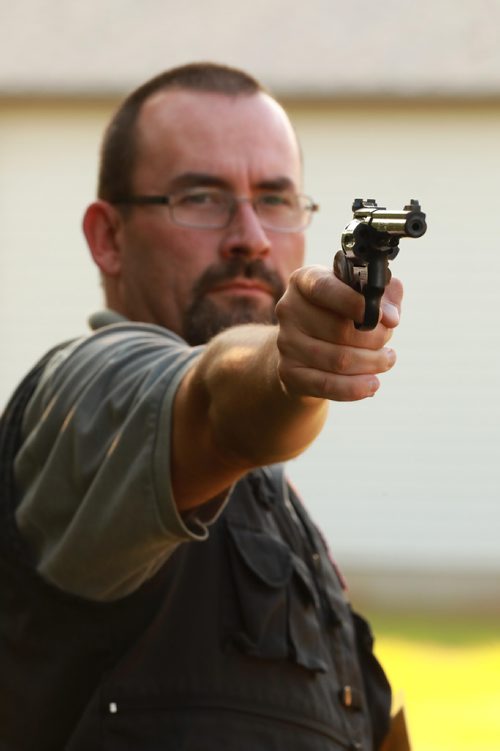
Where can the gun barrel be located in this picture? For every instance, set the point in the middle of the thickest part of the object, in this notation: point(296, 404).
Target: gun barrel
point(402, 223)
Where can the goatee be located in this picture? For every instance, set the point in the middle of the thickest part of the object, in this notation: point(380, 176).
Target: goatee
point(203, 319)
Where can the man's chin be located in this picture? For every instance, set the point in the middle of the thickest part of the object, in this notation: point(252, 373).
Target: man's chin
point(208, 316)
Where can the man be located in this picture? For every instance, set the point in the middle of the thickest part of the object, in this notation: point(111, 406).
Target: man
point(165, 587)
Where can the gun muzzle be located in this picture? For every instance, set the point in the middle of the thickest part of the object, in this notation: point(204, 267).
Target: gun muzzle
point(415, 224)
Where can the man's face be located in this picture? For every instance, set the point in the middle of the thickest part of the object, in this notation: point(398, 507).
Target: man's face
point(197, 282)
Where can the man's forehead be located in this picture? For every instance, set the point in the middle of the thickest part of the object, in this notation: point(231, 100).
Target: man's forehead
point(185, 113)
point(234, 137)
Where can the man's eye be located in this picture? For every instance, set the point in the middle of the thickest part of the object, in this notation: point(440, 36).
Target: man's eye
point(276, 200)
point(202, 198)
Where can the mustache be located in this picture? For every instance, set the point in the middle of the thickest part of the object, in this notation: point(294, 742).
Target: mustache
point(238, 267)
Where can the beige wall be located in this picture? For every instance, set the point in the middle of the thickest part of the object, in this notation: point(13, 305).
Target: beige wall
point(409, 479)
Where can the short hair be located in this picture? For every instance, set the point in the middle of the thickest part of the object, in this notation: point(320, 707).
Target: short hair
point(119, 147)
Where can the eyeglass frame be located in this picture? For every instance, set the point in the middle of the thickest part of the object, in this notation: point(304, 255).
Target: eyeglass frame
point(165, 200)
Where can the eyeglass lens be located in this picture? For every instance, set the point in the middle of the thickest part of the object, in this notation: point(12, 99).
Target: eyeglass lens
point(215, 209)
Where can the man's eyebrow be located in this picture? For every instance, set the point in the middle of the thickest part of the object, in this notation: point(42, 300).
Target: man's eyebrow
point(195, 179)
point(276, 184)
point(205, 179)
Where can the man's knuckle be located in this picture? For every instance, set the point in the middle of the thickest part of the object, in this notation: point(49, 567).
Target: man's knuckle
point(310, 281)
point(322, 385)
point(317, 287)
point(342, 361)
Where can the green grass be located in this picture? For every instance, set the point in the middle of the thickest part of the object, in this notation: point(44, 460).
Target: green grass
point(447, 673)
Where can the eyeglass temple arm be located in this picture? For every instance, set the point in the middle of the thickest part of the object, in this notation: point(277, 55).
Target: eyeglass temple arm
point(142, 200)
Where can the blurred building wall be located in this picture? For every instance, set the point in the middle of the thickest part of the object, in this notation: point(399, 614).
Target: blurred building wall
point(406, 485)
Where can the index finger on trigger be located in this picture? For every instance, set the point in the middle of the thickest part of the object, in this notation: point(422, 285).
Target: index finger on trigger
point(391, 303)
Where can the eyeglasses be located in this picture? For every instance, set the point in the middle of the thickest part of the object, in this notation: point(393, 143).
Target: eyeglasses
point(212, 208)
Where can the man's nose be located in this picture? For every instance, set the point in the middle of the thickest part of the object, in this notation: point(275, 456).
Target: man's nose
point(245, 235)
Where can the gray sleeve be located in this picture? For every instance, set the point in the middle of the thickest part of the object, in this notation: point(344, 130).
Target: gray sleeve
point(94, 469)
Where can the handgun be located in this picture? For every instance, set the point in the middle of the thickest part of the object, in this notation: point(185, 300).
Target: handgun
point(369, 242)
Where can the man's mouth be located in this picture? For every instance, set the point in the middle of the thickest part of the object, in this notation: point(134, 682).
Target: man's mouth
point(242, 286)
point(239, 279)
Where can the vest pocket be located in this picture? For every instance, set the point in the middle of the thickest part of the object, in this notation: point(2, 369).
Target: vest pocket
point(261, 569)
point(277, 602)
point(305, 632)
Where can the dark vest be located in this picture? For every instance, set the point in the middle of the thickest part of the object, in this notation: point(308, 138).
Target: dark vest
point(244, 641)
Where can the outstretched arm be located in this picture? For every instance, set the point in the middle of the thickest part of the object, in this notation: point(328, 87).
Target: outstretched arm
point(259, 394)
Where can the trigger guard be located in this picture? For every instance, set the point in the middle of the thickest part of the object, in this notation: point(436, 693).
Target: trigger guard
point(372, 313)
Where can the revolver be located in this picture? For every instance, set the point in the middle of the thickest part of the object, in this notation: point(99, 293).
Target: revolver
point(369, 242)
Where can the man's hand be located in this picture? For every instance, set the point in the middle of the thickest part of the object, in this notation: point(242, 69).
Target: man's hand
point(321, 352)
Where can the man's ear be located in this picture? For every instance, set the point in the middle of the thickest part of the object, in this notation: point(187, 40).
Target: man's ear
point(101, 222)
